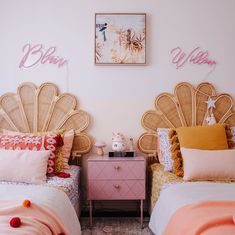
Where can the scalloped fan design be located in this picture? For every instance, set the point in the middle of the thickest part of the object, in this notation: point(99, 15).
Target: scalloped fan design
point(34, 109)
point(186, 107)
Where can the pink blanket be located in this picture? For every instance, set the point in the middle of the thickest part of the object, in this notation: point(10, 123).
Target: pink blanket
point(35, 219)
point(205, 218)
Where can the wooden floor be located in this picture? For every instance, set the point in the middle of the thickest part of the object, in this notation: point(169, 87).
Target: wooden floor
point(115, 226)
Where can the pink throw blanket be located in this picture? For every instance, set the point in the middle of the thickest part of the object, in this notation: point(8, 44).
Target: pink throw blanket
point(205, 218)
point(35, 219)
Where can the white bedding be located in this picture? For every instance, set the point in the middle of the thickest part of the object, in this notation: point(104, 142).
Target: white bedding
point(53, 198)
point(176, 196)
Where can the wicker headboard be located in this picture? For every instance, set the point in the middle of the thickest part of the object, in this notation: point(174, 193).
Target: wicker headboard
point(36, 109)
point(186, 107)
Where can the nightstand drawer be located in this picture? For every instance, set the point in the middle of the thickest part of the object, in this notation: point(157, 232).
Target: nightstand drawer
point(116, 189)
point(114, 170)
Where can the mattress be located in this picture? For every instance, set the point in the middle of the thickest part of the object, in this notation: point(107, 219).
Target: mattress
point(69, 185)
point(179, 195)
point(161, 180)
point(48, 201)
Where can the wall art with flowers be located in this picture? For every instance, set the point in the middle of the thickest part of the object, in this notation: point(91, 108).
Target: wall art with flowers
point(120, 38)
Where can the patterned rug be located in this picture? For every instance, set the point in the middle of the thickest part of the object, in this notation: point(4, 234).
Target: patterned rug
point(115, 226)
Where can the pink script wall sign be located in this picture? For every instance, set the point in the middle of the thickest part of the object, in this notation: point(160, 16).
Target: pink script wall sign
point(196, 56)
point(37, 54)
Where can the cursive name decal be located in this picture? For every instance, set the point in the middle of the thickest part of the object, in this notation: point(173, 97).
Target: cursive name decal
point(37, 54)
point(196, 56)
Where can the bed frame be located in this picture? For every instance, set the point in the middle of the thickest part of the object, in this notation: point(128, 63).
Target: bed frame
point(186, 107)
point(39, 109)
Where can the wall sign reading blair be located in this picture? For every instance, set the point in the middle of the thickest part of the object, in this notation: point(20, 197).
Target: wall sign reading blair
point(120, 39)
point(195, 56)
point(38, 54)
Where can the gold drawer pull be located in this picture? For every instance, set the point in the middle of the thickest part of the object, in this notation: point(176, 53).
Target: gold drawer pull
point(117, 168)
point(117, 186)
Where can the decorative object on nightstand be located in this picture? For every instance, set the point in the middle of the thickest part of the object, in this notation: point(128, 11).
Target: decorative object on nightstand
point(100, 145)
point(118, 142)
point(116, 179)
point(131, 147)
point(119, 146)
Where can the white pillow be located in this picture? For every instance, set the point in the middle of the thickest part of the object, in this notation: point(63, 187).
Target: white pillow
point(23, 166)
point(208, 164)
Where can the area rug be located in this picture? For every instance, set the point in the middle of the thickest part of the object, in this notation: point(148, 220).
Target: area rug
point(115, 226)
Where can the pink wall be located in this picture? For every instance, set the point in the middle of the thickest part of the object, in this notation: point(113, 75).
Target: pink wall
point(116, 97)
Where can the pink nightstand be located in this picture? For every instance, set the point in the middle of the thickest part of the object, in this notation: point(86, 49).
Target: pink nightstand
point(116, 179)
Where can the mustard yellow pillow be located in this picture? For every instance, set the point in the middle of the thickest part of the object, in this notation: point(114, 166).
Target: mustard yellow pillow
point(203, 137)
point(199, 137)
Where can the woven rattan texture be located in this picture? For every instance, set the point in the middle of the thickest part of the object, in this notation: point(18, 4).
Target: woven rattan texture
point(185, 107)
point(37, 109)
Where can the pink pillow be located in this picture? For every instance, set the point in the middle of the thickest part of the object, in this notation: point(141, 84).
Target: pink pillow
point(208, 164)
point(23, 166)
point(67, 147)
point(68, 137)
point(34, 142)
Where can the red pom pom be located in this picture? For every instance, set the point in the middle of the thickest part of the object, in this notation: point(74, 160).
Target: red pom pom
point(60, 141)
point(62, 174)
point(15, 222)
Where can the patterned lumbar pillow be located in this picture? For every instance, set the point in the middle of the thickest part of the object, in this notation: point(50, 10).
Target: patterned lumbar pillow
point(164, 151)
point(36, 143)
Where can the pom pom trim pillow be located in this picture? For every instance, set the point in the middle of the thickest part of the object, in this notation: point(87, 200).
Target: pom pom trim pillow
point(197, 137)
point(23, 166)
point(208, 164)
point(30, 142)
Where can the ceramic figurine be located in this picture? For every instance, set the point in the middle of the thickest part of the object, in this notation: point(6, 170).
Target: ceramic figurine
point(118, 142)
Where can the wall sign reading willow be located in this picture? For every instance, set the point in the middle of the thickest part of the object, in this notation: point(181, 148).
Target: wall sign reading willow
point(120, 39)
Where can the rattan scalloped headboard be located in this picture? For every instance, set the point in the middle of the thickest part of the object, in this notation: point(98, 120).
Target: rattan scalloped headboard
point(42, 108)
point(186, 107)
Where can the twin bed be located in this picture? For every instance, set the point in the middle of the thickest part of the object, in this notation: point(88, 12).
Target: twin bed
point(43, 110)
point(173, 200)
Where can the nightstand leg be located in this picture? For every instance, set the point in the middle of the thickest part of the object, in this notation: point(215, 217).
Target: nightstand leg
point(141, 213)
point(91, 213)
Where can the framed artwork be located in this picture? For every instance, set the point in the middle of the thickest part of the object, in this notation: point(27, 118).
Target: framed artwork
point(120, 39)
